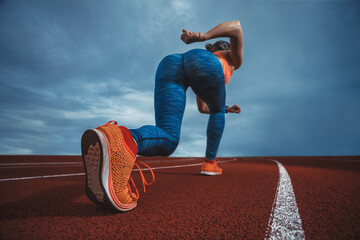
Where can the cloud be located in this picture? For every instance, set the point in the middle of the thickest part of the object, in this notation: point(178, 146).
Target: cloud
point(129, 106)
point(66, 66)
point(7, 150)
point(192, 143)
point(183, 9)
point(161, 17)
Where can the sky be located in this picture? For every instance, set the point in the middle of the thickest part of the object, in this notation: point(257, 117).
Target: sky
point(67, 66)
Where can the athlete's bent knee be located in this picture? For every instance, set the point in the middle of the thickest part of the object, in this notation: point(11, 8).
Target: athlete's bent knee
point(168, 149)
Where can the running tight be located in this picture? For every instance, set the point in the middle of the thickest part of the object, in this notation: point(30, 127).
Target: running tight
point(202, 71)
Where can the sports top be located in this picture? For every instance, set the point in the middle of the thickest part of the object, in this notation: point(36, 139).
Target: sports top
point(225, 65)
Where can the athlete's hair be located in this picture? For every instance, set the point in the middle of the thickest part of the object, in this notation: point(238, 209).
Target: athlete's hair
point(217, 46)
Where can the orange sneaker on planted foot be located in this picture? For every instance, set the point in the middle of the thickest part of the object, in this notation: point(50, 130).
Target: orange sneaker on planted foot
point(109, 155)
point(211, 168)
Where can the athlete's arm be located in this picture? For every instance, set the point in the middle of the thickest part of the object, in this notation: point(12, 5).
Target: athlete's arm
point(203, 108)
point(234, 109)
point(232, 30)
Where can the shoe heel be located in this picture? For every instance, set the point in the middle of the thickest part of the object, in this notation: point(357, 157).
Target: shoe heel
point(92, 158)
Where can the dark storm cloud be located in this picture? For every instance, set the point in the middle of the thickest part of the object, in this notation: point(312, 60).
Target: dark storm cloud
point(66, 66)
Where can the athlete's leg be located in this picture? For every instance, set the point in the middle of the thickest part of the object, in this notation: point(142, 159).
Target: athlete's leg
point(206, 78)
point(170, 98)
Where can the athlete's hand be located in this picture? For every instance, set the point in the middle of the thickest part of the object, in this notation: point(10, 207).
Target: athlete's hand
point(190, 37)
point(234, 109)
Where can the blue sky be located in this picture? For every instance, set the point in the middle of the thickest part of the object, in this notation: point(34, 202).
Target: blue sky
point(66, 66)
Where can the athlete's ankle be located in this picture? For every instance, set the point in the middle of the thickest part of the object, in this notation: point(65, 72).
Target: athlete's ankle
point(130, 141)
point(209, 160)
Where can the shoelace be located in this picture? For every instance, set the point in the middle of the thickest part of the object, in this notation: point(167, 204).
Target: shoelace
point(145, 183)
point(136, 197)
point(216, 161)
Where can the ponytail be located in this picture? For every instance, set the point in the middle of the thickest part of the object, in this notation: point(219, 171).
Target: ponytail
point(217, 46)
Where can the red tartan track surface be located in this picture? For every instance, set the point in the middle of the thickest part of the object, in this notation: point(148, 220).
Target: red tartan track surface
point(43, 197)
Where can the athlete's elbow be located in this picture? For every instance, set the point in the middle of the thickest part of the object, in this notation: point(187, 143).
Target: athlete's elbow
point(203, 110)
point(236, 22)
point(238, 60)
point(238, 64)
point(237, 26)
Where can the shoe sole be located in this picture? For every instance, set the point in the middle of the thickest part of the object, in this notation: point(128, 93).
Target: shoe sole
point(92, 158)
point(210, 173)
point(98, 179)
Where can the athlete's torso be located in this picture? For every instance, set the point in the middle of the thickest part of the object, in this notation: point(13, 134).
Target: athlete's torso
point(225, 59)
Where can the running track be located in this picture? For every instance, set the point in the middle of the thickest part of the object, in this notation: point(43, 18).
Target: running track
point(42, 197)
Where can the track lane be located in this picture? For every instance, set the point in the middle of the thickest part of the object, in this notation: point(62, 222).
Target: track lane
point(181, 204)
point(60, 165)
point(184, 204)
point(33, 170)
point(328, 197)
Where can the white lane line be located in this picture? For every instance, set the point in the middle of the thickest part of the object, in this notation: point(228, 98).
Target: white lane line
point(28, 164)
point(285, 221)
point(38, 164)
point(178, 166)
point(80, 174)
point(37, 177)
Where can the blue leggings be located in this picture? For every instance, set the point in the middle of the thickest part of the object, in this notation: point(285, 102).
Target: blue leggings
point(202, 71)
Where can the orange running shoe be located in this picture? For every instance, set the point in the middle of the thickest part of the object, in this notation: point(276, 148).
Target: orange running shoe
point(211, 168)
point(108, 162)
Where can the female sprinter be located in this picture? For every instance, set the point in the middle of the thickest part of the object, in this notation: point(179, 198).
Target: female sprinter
point(109, 151)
